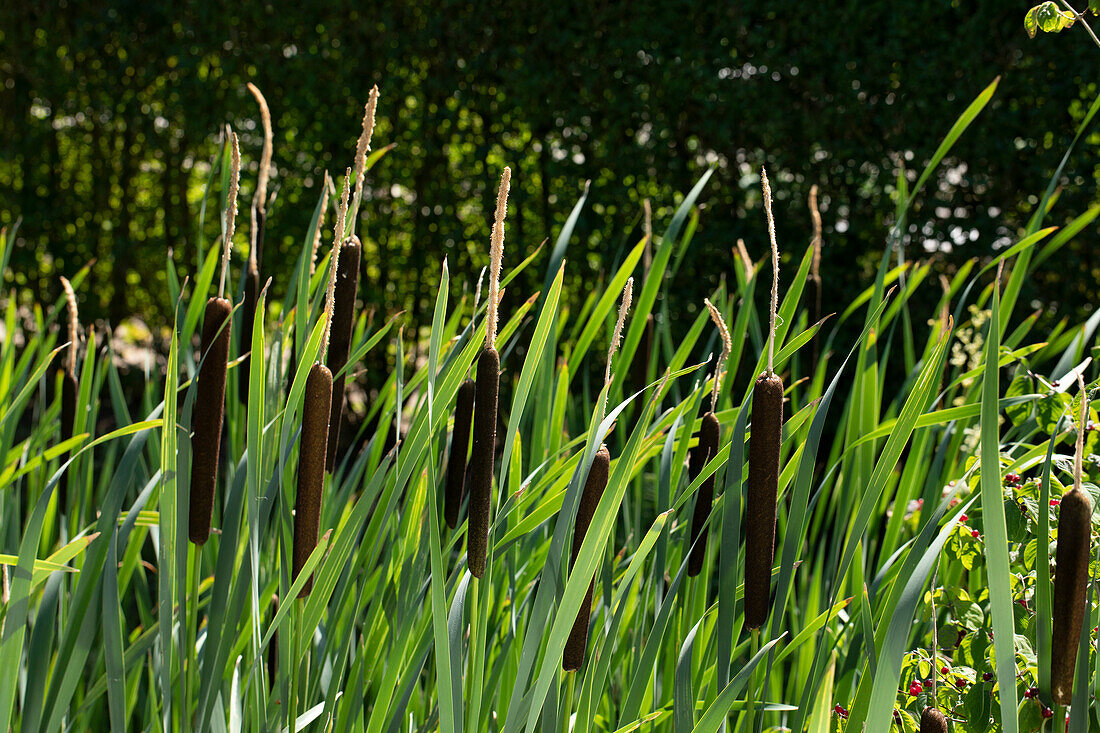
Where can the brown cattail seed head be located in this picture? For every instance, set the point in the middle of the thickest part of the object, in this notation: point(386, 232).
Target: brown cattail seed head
point(932, 721)
point(763, 486)
point(594, 486)
point(206, 423)
point(311, 468)
point(248, 320)
point(456, 462)
point(343, 318)
point(69, 390)
point(1071, 579)
point(481, 459)
point(709, 436)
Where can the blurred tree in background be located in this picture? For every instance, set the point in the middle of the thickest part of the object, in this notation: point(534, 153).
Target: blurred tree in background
point(112, 111)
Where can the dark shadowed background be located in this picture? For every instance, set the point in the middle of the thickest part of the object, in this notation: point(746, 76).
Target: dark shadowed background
point(111, 113)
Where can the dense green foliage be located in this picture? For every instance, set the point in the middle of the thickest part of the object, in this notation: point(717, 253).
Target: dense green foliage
point(112, 109)
point(928, 514)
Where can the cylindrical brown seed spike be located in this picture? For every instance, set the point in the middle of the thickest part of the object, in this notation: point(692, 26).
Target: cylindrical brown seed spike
point(594, 485)
point(69, 390)
point(481, 459)
point(206, 423)
point(456, 462)
point(709, 435)
point(1071, 579)
point(311, 468)
point(932, 721)
point(343, 317)
point(763, 485)
point(248, 319)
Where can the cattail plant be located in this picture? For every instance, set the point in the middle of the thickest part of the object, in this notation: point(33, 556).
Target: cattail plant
point(709, 438)
point(209, 411)
point(69, 388)
point(932, 721)
point(485, 400)
point(764, 444)
point(1071, 575)
point(456, 462)
point(313, 450)
point(746, 261)
point(343, 318)
point(814, 279)
point(594, 485)
point(255, 249)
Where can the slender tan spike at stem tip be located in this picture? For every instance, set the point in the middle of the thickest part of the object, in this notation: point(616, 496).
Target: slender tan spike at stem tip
point(343, 320)
point(746, 261)
point(496, 253)
point(815, 214)
point(617, 334)
point(231, 210)
point(932, 721)
point(330, 294)
point(775, 263)
point(326, 185)
point(1082, 427)
point(727, 347)
point(74, 325)
point(342, 212)
point(260, 198)
point(362, 147)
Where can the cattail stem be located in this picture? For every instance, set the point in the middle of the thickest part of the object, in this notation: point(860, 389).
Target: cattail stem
point(273, 646)
point(815, 269)
point(311, 469)
point(707, 449)
point(593, 490)
point(481, 459)
point(760, 506)
point(456, 462)
point(343, 318)
point(209, 411)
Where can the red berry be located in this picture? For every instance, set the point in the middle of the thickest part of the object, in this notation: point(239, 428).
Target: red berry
point(963, 517)
point(841, 711)
point(944, 670)
point(987, 677)
point(1054, 502)
point(1047, 712)
point(975, 534)
point(915, 689)
point(960, 682)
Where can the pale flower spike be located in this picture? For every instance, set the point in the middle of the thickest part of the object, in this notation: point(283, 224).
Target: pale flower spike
point(496, 253)
point(775, 265)
point(231, 210)
point(727, 347)
point(617, 334)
